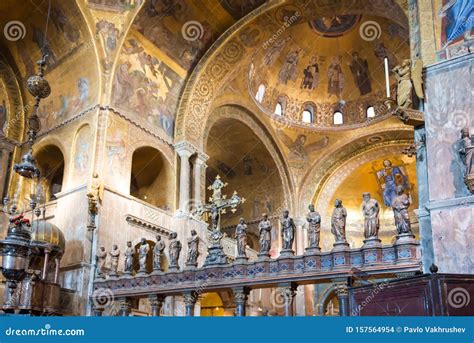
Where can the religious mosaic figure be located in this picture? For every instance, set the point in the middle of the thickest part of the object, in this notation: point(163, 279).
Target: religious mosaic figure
point(241, 237)
point(467, 151)
point(128, 262)
point(158, 253)
point(265, 230)
point(114, 260)
point(390, 177)
point(400, 206)
point(336, 77)
point(360, 71)
point(288, 70)
point(370, 210)
point(193, 249)
point(275, 50)
point(311, 75)
point(314, 227)
point(101, 258)
point(287, 230)
point(338, 222)
point(174, 250)
point(143, 250)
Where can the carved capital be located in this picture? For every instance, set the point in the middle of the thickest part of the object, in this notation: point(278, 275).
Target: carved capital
point(241, 295)
point(190, 298)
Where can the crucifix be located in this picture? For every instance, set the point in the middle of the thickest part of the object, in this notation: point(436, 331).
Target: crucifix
point(218, 204)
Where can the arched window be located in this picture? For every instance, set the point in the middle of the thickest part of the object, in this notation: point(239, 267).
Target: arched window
point(308, 113)
point(338, 118)
point(51, 164)
point(279, 109)
point(150, 178)
point(260, 93)
point(370, 112)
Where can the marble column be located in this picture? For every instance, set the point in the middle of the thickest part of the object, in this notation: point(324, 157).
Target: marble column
point(343, 297)
point(57, 262)
point(45, 264)
point(241, 295)
point(125, 306)
point(184, 152)
point(287, 292)
point(156, 303)
point(300, 301)
point(198, 168)
point(190, 299)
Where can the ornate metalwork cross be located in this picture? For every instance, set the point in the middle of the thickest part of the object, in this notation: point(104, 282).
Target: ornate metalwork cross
point(218, 204)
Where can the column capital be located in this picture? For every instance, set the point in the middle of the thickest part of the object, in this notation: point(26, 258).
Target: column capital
point(190, 298)
point(184, 148)
point(241, 294)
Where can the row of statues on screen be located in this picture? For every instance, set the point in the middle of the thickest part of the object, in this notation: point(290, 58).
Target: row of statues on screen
point(370, 210)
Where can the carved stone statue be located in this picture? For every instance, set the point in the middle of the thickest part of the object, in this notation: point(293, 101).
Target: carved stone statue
point(101, 259)
point(158, 253)
point(265, 231)
point(174, 251)
point(400, 206)
point(143, 250)
point(314, 227)
point(287, 232)
point(370, 210)
point(338, 222)
point(241, 237)
point(114, 260)
point(467, 151)
point(128, 262)
point(193, 249)
point(409, 77)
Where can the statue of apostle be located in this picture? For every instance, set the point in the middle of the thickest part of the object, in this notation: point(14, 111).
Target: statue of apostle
point(265, 230)
point(314, 227)
point(143, 250)
point(158, 253)
point(338, 222)
point(101, 259)
point(400, 206)
point(370, 210)
point(467, 151)
point(128, 263)
point(241, 237)
point(193, 249)
point(287, 231)
point(114, 260)
point(174, 251)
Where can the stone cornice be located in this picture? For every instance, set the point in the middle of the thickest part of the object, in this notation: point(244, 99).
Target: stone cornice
point(131, 219)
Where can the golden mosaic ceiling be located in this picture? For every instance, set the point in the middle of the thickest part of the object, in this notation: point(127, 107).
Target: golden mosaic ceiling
point(326, 64)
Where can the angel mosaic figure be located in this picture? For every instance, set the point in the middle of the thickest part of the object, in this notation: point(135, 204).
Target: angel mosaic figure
point(299, 151)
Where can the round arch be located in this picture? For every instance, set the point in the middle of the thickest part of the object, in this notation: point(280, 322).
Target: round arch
point(246, 117)
point(228, 51)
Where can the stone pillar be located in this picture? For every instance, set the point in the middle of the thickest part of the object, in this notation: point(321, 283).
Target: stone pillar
point(190, 299)
point(125, 306)
point(300, 250)
point(57, 262)
point(156, 303)
point(240, 298)
point(198, 169)
point(45, 264)
point(184, 151)
point(343, 297)
point(287, 292)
